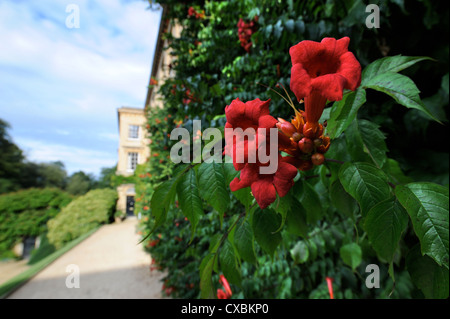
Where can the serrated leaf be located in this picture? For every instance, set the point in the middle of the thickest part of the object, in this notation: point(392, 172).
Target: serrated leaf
point(162, 199)
point(431, 279)
point(282, 205)
point(364, 137)
point(351, 254)
point(300, 252)
point(212, 186)
point(206, 286)
point(343, 112)
point(365, 183)
point(264, 225)
point(228, 263)
point(189, 199)
point(296, 219)
point(384, 225)
point(310, 201)
point(389, 64)
point(244, 241)
point(428, 206)
point(401, 88)
point(343, 202)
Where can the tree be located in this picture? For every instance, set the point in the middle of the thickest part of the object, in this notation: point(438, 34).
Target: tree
point(11, 161)
point(52, 174)
point(80, 183)
point(105, 179)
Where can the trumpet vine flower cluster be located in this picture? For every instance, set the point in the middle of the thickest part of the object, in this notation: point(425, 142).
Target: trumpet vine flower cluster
point(320, 73)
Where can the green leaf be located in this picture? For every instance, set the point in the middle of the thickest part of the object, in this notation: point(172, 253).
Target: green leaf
point(189, 199)
point(395, 173)
point(296, 219)
point(212, 186)
point(384, 225)
point(343, 202)
point(206, 286)
point(401, 88)
point(428, 206)
point(162, 199)
point(365, 183)
point(344, 112)
point(391, 64)
point(431, 279)
point(244, 241)
point(351, 254)
point(228, 263)
point(364, 137)
point(265, 223)
point(310, 201)
point(300, 252)
point(282, 205)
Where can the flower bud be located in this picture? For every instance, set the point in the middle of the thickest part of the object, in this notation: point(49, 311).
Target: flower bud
point(310, 130)
point(305, 166)
point(317, 142)
point(306, 145)
point(286, 127)
point(317, 159)
point(325, 145)
point(296, 137)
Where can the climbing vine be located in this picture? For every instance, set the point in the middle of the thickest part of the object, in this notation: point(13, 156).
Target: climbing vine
point(349, 192)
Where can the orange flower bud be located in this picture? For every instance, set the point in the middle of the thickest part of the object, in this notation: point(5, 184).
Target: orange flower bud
point(286, 127)
point(317, 159)
point(306, 145)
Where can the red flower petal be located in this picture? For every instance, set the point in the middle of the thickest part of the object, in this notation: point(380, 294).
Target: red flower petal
point(330, 86)
point(249, 174)
point(264, 191)
point(221, 294)
point(350, 69)
point(283, 179)
point(300, 81)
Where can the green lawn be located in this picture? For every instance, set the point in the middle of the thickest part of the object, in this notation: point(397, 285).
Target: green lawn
point(15, 282)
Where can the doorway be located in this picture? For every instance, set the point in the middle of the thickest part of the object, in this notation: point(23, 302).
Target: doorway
point(130, 206)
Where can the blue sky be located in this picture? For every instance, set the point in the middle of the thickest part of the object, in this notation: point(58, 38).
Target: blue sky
point(60, 87)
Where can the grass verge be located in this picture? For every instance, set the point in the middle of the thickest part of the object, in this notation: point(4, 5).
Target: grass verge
point(12, 284)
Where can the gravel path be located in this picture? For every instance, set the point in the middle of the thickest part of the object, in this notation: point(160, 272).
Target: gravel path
point(110, 263)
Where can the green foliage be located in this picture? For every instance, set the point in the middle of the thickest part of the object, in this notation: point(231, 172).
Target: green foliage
point(380, 198)
point(25, 213)
point(82, 215)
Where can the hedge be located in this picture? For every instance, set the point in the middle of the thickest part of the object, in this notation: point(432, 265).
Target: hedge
point(25, 213)
point(82, 215)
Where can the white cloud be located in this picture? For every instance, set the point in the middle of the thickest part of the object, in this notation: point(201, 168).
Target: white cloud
point(67, 81)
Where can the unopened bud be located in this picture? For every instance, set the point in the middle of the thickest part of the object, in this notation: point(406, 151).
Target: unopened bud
point(310, 130)
point(286, 127)
point(317, 142)
point(317, 159)
point(306, 145)
point(296, 137)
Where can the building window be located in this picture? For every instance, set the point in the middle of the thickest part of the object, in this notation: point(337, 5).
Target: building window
point(132, 161)
point(133, 131)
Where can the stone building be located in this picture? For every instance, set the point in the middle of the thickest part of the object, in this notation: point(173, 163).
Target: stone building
point(133, 150)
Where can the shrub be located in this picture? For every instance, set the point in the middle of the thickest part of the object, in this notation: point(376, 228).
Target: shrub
point(82, 215)
point(25, 213)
